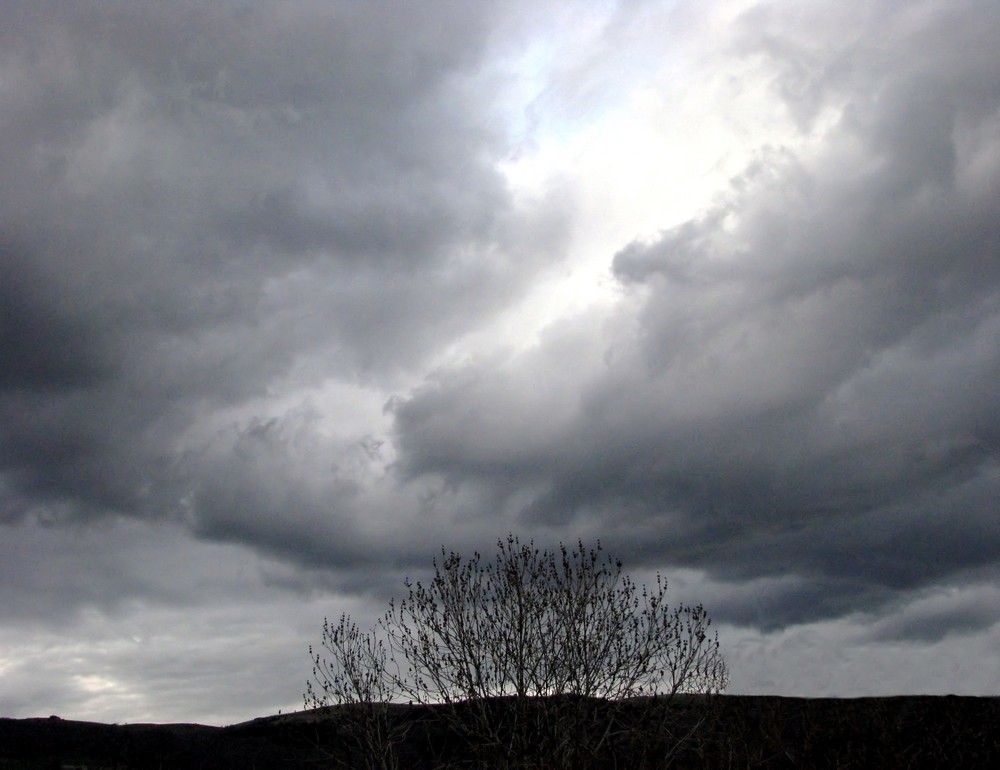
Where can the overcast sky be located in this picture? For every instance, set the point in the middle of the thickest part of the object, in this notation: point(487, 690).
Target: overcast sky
point(294, 293)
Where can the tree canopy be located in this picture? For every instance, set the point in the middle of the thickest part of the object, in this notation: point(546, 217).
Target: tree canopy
point(528, 623)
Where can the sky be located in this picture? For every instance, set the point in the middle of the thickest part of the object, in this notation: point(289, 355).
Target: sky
point(293, 294)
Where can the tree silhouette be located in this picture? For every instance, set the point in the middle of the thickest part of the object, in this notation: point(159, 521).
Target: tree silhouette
point(533, 655)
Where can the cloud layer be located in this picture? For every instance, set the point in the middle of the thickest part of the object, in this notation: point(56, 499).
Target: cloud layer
point(799, 380)
point(317, 287)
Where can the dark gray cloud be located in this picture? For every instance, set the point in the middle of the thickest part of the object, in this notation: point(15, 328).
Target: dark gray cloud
point(269, 282)
point(940, 615)
point(800, 381)
point(204, 204)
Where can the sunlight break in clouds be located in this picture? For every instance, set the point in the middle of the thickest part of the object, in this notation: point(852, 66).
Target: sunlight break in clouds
point(636, 142)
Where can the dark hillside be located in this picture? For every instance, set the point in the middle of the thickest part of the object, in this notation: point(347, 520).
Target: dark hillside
point(733, 732)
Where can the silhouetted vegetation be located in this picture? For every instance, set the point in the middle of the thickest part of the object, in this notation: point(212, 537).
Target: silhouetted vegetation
point(532, 658)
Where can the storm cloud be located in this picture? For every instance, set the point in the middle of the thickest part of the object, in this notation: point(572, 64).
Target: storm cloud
point(801, 379)
point(189, 226)
point(293, 294)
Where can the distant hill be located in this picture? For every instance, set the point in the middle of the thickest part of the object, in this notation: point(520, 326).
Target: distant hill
point(733, 732)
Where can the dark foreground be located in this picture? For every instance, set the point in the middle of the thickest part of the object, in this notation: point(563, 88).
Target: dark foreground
point(732, 732)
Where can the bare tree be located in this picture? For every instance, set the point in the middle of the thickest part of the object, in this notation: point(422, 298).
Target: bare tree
point(356, 678)
point(533, 653)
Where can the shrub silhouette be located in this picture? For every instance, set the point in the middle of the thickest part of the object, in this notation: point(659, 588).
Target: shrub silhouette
point(531, 658)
